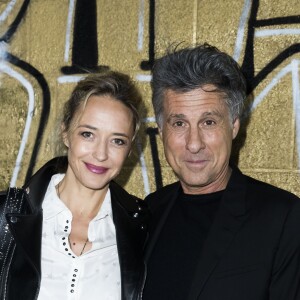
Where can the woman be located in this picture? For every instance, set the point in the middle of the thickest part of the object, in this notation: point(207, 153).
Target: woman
point(79, 235)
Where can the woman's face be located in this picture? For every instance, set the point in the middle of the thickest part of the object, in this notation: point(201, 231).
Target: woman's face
point(99, 142)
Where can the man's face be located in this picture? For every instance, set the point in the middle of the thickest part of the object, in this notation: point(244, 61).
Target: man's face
point(197, 134)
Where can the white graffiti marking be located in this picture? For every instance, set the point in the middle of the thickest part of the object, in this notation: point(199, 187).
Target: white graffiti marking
point(195, 22)
point(143, 78)
point(241, 30)
point(272, 32)
point(141, 25)
point(296, 97)
point(7, 10)
point(4, 68)
point(69, 79)
point(292, 68)
point(68, 29)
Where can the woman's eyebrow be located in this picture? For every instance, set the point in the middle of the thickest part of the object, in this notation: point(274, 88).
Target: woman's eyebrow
point(94, 128)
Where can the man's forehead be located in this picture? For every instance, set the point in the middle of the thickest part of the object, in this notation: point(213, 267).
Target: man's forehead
point(195, 104)
point(204, 93)
point(196, 115)
point(194, 99)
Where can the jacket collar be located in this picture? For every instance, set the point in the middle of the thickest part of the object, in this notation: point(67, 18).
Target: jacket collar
point(161, 204)
point(229, 219)
point(37, 186)
point(130, 218)
point(124, 199)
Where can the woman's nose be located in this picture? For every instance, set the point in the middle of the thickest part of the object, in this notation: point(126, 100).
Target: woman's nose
point(100, 151)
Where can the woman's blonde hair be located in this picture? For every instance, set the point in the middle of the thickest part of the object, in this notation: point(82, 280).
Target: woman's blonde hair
point(117, 85)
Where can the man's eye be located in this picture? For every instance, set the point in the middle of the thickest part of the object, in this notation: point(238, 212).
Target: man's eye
point(178, 124)
point(87, 134)
point(119, 142)
point(209, 123)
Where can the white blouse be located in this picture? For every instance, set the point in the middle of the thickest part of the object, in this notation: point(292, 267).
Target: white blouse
point(93, 275)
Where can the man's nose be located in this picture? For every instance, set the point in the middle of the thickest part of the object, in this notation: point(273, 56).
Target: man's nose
point(194, 140)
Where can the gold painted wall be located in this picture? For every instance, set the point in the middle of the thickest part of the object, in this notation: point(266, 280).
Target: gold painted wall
point(37, 40)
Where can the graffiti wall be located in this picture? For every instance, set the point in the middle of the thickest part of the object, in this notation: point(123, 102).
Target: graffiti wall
point(46, 46)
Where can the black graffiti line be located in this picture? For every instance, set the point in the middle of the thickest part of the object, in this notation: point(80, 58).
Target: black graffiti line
point(15, 24)
point(248, 62)
point(274, 63)
point(152, 132)
point(45, 107)
point(147, 64)
point(85, 42)
point(278, 21)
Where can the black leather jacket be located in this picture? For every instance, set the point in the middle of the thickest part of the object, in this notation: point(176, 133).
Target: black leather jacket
point(21, 275)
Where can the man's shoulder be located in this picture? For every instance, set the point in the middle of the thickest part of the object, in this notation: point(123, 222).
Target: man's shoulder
point(269, 193)
point(162, 195)
point(268, 187)
point(170, 188)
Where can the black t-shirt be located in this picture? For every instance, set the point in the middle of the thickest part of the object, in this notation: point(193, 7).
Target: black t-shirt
point(172, 264)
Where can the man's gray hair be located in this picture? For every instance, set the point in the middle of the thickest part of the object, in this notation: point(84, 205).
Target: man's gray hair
point(195, 67)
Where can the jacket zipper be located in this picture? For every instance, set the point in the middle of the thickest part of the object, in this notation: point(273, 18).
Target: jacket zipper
point(140, 297)
point(8, 268)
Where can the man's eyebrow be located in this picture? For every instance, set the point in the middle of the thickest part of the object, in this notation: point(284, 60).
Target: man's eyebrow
point(212, 113)
point(205, 114)
point(176, 116)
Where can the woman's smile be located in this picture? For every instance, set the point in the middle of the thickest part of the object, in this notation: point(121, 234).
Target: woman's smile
point(96, 169)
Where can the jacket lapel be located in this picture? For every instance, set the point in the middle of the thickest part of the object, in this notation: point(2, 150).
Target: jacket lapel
point(159, 219)
point(230, 217)
point(130, 218)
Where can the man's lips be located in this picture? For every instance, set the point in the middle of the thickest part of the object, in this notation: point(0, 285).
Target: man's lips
point(96, 169)
point(196, 161)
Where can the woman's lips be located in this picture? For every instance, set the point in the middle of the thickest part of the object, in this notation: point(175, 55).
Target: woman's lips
point(96, 169)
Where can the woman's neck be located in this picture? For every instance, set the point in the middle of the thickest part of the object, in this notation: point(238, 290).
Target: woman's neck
point(82, 201)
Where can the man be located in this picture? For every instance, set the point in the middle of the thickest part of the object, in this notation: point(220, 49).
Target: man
point(216, 234)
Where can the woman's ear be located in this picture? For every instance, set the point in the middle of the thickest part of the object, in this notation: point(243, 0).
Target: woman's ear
point(64, 135)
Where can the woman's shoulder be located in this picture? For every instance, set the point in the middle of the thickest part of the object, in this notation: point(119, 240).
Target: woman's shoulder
point(129, 202)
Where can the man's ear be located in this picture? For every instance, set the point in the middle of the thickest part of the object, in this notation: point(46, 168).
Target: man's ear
point(235, 128)
point(160, 132)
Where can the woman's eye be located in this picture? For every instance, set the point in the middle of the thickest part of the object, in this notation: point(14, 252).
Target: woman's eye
point(119, 142)
point(87, 134)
